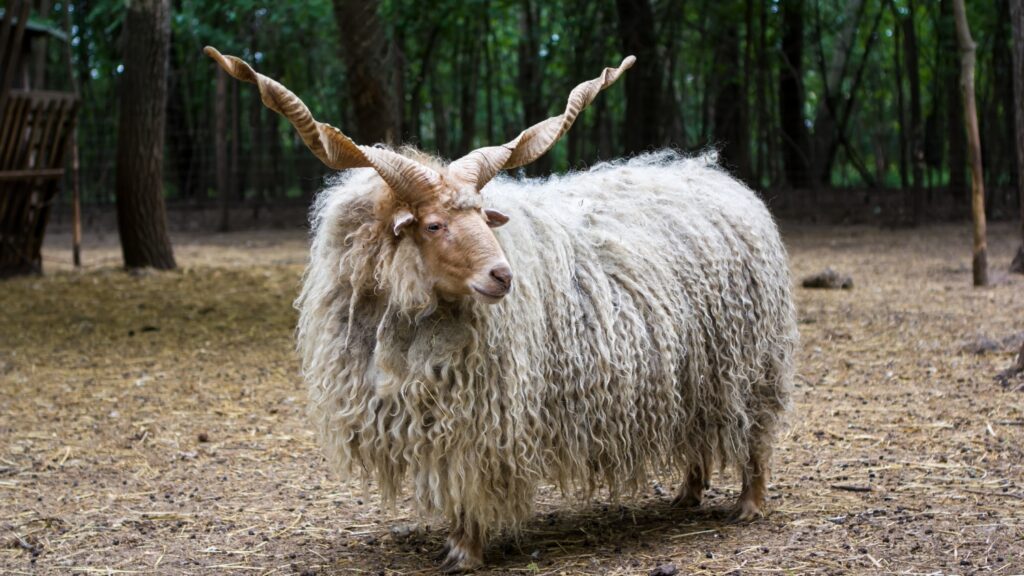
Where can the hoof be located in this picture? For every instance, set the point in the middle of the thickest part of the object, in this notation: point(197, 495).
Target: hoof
point(687, 501)
point(460, 560)
point(443, 554)
point(451, 542)
point(747, 511)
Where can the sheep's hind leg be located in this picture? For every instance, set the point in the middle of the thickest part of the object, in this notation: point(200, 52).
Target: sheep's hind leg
point(465, 548)
point(750, 505)
point(691, 493)
point(453, 538)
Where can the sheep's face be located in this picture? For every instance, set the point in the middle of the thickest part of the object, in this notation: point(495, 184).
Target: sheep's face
point(459, 250)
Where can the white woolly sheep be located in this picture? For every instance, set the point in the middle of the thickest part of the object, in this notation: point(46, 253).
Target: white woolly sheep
point(651, 331)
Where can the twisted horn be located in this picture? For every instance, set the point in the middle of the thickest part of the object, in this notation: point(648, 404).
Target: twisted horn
point(409, 179)
point(479, 166)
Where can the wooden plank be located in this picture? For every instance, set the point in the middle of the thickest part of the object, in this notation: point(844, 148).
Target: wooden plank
point(48, 118)
point(11, 44)
point(43, 94)
point(13, 131)
point(31, 174)
point(35, 133)
point(55, 133)
point(15, 45)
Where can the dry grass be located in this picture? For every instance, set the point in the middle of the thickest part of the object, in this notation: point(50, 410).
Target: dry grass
point(154, 424)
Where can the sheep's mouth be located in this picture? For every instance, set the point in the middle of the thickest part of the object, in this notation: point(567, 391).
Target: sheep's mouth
point(489, 296)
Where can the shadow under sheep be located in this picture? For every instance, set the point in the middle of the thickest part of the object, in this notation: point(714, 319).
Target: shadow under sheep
point(564, 533)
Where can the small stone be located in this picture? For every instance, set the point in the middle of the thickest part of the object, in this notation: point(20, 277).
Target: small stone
point(203, 437)
point(829, 279)
point(404, 532)
point(665, 570)
point(980, 345)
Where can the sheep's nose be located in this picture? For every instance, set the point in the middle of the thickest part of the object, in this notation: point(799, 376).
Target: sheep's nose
point(502, 274)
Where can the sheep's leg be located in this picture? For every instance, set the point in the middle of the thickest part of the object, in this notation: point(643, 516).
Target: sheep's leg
point(465, 548)
point(750, 505)
point(692, 491)
point(453, 538)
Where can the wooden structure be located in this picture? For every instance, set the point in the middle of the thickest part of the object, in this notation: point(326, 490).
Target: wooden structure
point(35, 129)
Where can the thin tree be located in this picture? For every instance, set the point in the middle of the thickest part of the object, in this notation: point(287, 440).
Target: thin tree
point(643, 83)
point(371, 64)
point(1017, 23)
point(910, 56)
point(967, 50)
point(957, 158)
point(141, 215)
point(531, 75)
point(221, 148)
point(827, 132)
point(730, 130)
point(795, 140)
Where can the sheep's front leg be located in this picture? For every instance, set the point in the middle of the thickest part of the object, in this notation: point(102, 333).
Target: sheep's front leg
point(691, 493)
point(465, 547)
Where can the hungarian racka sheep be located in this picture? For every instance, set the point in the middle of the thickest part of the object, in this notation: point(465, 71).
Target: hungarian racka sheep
point(651, 330)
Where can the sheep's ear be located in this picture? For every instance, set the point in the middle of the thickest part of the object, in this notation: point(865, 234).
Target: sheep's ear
point(402, 219)
point(495, 218)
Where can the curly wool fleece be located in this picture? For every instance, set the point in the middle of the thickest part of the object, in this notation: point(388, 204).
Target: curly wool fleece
point(651, 330)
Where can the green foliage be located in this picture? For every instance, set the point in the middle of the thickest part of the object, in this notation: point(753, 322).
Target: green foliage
point(298, 43)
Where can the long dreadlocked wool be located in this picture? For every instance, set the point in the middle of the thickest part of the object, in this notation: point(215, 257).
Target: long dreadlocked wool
point(651, 330)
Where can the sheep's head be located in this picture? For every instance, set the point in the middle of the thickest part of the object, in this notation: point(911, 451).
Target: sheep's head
point(452, 232)
point(441, 210)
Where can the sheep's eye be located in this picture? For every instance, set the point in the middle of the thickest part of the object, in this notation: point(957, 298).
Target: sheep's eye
point(434, 227)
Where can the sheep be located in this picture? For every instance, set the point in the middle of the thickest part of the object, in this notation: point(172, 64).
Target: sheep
point(651, 331)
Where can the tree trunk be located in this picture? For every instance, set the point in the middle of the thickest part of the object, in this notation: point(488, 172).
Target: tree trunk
point(585, 17)
point(826, 135)
point(673, 122)
point(1017, 23)
point(369, 58)
point(967, 51)
point(235, 178)
point(39, 49)
point(424, 71)
point(440, 114)
point(468, 89)
point(141, 215)
point(957, 158)
point(257, 157)
point(729, 130)
point(181, 138)
point(765, 135)
point(530, 75)
point(643, 83)
point(489, 73)
point(746, 113)
point(910, 56)
point(220, 112)
point(901, 117)
point(795, 155)
point(276, 178)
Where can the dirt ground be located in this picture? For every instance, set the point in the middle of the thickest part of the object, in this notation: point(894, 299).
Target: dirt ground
point(154, 424)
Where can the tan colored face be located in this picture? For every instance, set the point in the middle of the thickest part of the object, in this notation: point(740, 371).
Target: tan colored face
point(461, 252)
